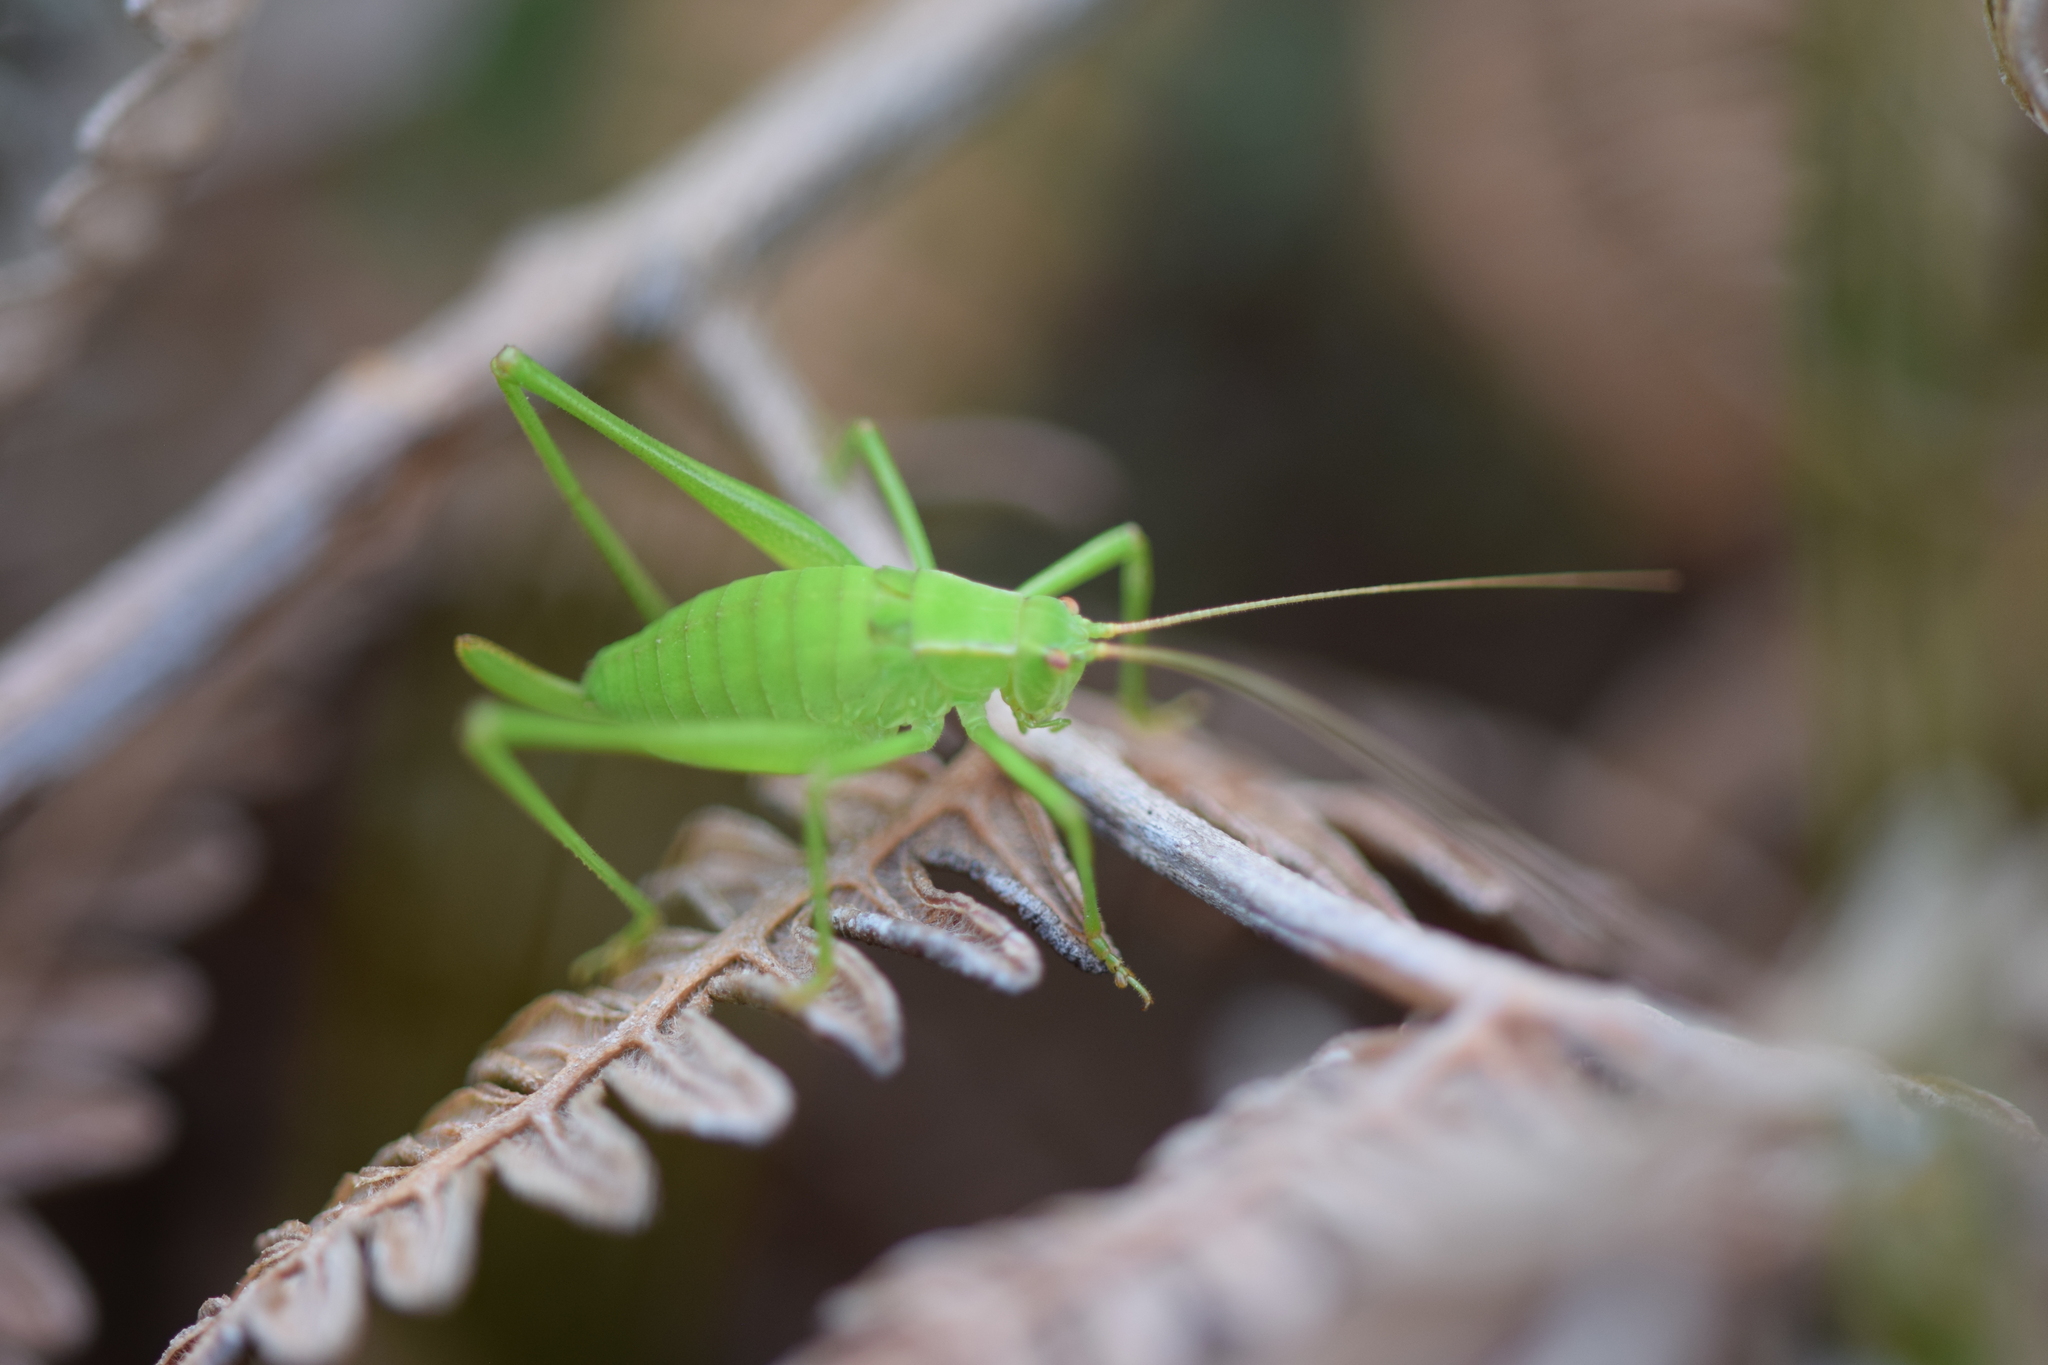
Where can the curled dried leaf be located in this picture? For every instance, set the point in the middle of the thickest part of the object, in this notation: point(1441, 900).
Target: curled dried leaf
point(578, 1159)
point(702, 1081)
point(422, 1250)
point(987, 830)
point(308, 1307)
point(534, 1110)
point(857, 1011)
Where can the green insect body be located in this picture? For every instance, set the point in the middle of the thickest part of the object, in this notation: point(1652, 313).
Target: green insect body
point(830, 667)
point(865, 651)
point(826, 668)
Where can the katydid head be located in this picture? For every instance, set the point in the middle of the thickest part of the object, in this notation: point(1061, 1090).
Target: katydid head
point(1052, 651)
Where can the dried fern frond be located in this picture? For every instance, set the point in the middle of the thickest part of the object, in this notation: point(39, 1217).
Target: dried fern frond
point(534, 1110)
point(1430, 1190)
point(1410, 823)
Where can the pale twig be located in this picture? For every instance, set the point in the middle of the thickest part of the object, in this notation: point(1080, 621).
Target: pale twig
point(888, 89)
point(1428, 969)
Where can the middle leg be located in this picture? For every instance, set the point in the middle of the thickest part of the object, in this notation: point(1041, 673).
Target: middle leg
point(817, 844)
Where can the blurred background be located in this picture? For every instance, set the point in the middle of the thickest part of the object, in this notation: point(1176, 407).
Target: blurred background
point(1322, 293)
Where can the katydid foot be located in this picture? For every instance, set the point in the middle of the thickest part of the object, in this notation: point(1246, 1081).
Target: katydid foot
point(1106, 953)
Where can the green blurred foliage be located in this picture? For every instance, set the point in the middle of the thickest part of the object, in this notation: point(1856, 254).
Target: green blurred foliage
point(1916, 364)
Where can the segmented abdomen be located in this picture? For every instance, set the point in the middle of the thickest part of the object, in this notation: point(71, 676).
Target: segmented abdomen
point(829, 646)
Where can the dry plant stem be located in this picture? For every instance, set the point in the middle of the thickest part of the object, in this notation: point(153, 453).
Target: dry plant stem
point(1433, 971)
point(893, 85)
point(766, 402)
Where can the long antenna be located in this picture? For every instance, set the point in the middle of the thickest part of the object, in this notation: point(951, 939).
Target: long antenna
point(1625, 580)
point(1377, 755)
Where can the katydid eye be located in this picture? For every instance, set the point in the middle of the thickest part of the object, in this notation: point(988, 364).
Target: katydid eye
point(1058, 660)
point(1071, 605)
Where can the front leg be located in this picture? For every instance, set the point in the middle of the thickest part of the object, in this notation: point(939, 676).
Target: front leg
point(1072, 821)
point(1125, 549)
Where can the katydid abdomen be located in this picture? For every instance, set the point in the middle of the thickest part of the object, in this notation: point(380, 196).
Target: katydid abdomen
point(859, 650)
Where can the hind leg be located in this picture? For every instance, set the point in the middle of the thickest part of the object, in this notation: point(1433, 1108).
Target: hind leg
point(493, 732)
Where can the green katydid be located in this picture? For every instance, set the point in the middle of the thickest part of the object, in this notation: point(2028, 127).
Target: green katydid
point(827, 667)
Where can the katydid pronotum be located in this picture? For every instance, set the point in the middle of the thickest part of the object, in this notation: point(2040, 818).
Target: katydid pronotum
point(828, 667)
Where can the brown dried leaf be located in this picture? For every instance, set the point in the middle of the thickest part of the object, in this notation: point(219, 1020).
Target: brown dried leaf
point(308, 1307)
point(534, 1109)
point(150, 842)
point(578, 1159)
point(1262, 809)
point(422, 1251)
point(1570, 915)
